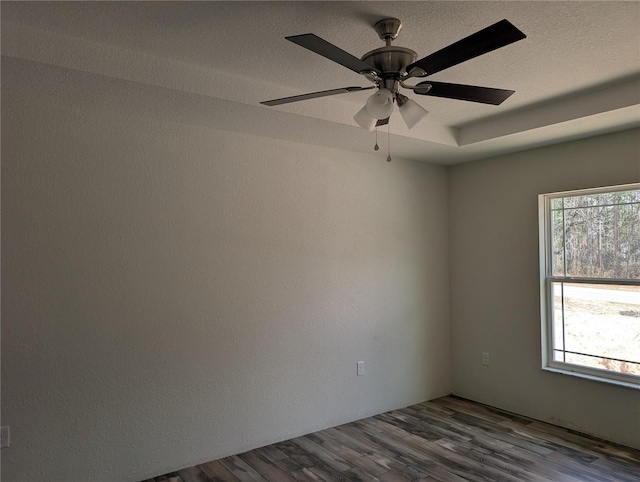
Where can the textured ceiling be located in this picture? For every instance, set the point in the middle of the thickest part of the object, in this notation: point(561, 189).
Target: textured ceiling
point(576, 74)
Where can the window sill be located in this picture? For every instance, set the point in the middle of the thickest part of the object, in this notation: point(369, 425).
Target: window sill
point(595, 378)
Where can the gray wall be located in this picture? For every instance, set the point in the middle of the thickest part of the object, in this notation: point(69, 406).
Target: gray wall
point(495, 284)
point(174, 294)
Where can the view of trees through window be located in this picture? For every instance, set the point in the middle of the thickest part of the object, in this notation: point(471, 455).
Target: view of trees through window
point(597, 236)
point(595, 255)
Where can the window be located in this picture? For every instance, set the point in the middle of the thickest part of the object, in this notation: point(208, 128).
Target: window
point(590, 283)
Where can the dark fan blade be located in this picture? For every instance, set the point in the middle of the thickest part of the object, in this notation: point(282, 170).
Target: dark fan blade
point(472, 93)
point(488, 39)
point(330, 51)
point(382, 122)
point(314, 95)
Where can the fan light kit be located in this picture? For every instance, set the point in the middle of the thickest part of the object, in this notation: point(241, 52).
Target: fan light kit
point(389, 67)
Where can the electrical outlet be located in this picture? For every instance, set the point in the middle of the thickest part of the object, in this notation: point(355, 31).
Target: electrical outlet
point(360, 368)
point(4, 437)
point(485, 358)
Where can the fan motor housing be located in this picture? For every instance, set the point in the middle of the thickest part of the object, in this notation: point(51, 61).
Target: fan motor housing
point(391, 60)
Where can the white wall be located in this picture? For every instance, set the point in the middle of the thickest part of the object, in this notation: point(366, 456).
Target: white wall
point(495, 284)
point(174, 294)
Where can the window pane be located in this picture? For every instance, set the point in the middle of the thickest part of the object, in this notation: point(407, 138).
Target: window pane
point(557, 243)
point(558, 321)
point(581, 201)
point(603, 363)
point(601, 242)
point(601, 326)
point(557, 203)
point(589, 238)
point(627, 254)
point(602, 199)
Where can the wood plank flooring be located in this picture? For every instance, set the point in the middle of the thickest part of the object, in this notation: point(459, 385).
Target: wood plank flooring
point(448, 439)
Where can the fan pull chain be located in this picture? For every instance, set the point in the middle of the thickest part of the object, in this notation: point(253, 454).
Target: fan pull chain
point(388, 143)
point(376, 147)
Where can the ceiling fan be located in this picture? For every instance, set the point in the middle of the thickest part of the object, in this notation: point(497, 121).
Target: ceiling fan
point(389, 67)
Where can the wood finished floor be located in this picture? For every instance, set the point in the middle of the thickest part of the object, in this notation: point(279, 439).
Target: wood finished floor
point(448, 439)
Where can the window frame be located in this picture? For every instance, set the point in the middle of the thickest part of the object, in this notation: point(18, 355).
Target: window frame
point(547, 278)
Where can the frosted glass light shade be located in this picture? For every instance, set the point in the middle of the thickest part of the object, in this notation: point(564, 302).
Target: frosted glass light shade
point(364, 120)
point(412, 113)
point(380, 104)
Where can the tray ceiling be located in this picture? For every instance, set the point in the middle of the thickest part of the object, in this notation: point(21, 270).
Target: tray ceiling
point(577, 73)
